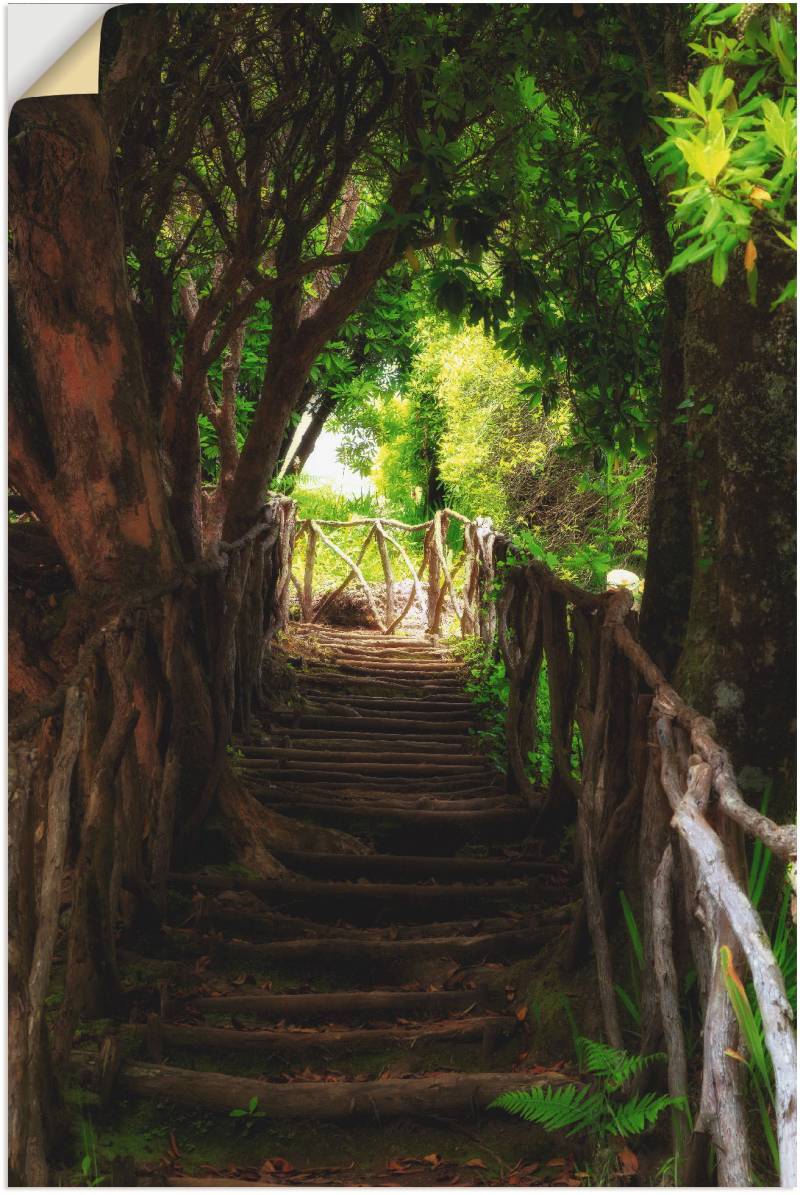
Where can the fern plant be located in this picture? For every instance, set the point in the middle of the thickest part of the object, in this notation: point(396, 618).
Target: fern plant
point(596, 1109)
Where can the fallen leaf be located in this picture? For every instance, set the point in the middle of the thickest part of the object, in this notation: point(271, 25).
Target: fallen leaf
point(432, 1159)
point(736, 1055)
point(750, 255)
point(397, 1166)
point(477, 1163)
point(628, 1160)
point(277, 1166)
point(556, 1162)
point(521, 1012)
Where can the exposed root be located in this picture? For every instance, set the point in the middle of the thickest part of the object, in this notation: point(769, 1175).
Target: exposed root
point(255, 831)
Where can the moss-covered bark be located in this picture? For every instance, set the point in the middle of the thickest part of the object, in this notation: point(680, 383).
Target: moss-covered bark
point(738, 661)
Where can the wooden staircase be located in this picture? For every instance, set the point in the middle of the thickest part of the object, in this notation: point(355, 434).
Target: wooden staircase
point(361, 987)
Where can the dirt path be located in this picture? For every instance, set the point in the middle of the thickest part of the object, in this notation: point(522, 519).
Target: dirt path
point(359, 1013)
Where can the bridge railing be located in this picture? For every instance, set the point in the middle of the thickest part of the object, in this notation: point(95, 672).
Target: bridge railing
point(434, 580)
point(629, 753)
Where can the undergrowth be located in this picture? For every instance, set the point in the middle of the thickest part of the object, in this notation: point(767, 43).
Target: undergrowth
point(488, 686)
point(599, 1108)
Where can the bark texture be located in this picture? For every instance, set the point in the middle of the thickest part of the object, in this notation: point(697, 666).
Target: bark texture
point(738, 661)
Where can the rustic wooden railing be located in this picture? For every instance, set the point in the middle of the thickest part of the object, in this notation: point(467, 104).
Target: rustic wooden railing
point(628, 752)
point(94, 775)
point(433, 580)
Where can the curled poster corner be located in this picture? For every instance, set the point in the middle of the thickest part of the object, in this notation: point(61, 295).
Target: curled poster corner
point(76, 69)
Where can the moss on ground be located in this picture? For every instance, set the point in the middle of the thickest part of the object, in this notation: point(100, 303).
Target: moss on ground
point(146, 1132)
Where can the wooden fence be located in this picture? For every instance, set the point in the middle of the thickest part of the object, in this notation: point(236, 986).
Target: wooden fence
point(95, 779)
point(433, 580)
point(630, 754)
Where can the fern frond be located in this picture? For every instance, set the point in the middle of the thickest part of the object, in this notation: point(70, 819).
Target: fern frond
point(615, 1067)
point(640, 1113)
point(555, 1108)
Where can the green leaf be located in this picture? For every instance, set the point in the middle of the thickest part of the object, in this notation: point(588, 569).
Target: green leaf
point(633, 1011)
point(707, 158)
point(681, 102)
point(789, 292)
point(719, 267)
point(752, 285)
point(630, 920)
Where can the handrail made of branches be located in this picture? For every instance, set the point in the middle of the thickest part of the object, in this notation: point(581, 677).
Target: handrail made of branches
point(73, 762)
point(472, 564)
point(628, 750)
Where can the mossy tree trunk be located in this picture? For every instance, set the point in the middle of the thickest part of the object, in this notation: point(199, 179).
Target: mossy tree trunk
point(738, 660)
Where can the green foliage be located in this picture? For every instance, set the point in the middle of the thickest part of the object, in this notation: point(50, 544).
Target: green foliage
point(611, 536)
point(632, 928)
point(487, 685)
point(760, 860)
point(248, 1115)
point(462, 428)
point(595, 1109)
point(90, 1175)
point(734, 145)
point(758, 1061)
point(614, 1067)
point(632, 999)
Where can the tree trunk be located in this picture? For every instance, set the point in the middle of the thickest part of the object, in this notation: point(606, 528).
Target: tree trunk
point(665, 604)
point(297, 339)
point(738, 662)
point(82, 445)
point(668, 578)
point(308, 442)
point(84, 452)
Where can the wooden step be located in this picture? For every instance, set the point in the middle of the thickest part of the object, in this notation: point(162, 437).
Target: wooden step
point(343, 1006)
point(387, 790)
point(280, 760)
point(372, 797)
point(461, 1095)
point(384, 955)
point(460, 823)
point(353, 722)
point(249, 923)
point(367, 740)
point(418, 866)
point(351, 755)
point(287, 1041)
point(283, 892)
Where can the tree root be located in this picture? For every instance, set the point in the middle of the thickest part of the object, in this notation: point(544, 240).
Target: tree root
point(253, 830)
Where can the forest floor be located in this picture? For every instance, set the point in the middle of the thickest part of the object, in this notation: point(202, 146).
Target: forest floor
point(349, 1024)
